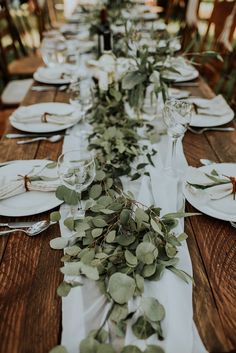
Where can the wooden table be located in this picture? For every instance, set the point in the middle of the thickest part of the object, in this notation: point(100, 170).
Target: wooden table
point(30, 309)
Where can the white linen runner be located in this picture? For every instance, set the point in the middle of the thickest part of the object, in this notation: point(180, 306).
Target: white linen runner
point(85, 307)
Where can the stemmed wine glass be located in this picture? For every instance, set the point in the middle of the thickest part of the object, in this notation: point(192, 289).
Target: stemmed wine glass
point(76, 170)
point(81, 97)
point(177, 116)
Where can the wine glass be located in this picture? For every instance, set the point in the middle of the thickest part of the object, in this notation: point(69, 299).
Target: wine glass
point(76, 170)
point(81, 97)
point(54, 50)
point(177, 116)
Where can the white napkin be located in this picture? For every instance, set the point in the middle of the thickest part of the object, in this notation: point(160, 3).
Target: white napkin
point(181, 65)
point(27, 115)
point(64, 72)
point(17, 186)
point(195, 176)
point(214, 107)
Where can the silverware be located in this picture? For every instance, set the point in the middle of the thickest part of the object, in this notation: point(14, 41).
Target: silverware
point(186, 84)
point(48, 88)
point(6, 163)
point(16, 136)
point(207, 162)
point(37, 228)
point(200, 131)
point(52, 139)
point(17, 224)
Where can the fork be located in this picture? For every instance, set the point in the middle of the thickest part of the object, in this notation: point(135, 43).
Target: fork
point(200, 131)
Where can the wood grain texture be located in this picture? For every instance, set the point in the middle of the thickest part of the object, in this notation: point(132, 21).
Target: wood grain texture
point(29, 273)
point(216, 242)
point(29, 270)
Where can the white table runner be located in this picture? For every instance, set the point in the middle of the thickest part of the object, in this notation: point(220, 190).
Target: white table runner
point(85, 308)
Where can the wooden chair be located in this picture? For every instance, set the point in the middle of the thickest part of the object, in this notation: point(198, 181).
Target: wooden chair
point(221, 10)
point(23, 64)
point(213, 69)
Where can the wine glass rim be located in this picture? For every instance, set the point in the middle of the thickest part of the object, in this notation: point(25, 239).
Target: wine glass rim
point(75, 150)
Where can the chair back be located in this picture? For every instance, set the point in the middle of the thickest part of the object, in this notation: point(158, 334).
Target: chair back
point(221, 11)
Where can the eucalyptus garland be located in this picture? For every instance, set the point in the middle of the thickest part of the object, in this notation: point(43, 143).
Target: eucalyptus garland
point(115, 136)
point(121, 243)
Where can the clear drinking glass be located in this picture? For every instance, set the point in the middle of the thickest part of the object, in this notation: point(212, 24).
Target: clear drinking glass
point(177, 116)
point(81, 94)
point(54, 51)
point(76, 170)
point(81, 97)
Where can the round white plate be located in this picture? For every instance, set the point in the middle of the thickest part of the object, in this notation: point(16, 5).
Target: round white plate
point(51, 75)
point(41, 108)
point(200, 120)
point(31, 202)
point(178, 78)
point(224, 208)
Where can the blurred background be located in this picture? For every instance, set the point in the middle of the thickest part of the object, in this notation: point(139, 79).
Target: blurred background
point(201, 25)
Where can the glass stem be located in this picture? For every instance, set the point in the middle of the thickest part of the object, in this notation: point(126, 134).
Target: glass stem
point(173, 152)
point(77, 211)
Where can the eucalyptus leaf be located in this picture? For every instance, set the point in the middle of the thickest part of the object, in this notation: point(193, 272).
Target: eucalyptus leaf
point(55, 216)
point(69, 223)
point(121, 287)
point(89, 345)
point(153, 310)
point(58, 349)
point(131, 349)
point(142, 329)
point(64, 289)
point(146, 253)
point(105, 348)
point(58, 243)
point(154, 349)
point(119, 312)
point(95, 191)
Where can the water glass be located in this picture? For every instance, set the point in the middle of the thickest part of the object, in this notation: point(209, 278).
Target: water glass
point(76, 170)
point(177, 116)
point(54, 51)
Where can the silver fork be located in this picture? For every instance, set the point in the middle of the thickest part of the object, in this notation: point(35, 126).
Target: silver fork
point(200, 131)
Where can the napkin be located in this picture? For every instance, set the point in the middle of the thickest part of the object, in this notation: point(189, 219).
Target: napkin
point(27, 115)
point(179, 64)
point(198, 178)
point(216, 106)
point(58, 73)
point(24, 184)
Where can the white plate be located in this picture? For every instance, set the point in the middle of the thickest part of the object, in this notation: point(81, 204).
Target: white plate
point(41, 108)
point(200, 120)
point(224, 208)
point(50, 75)
point(31, 202)
point(178, 78)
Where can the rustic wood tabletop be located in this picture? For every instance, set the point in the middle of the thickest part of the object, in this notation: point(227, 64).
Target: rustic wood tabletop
point(30, 309)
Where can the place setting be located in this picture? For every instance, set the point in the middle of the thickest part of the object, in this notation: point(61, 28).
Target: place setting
point(211, 189)
point(45, 117)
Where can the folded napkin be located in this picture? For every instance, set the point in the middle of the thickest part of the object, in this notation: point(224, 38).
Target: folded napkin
point(216, 106)
point(179, 64)
point(23, 184)
point(27, 115)
point(57, 73)
point(211, 186)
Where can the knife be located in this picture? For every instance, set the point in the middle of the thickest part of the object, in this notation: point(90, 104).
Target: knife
point(15, 136)
point(17, 224)
point(2, 164)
